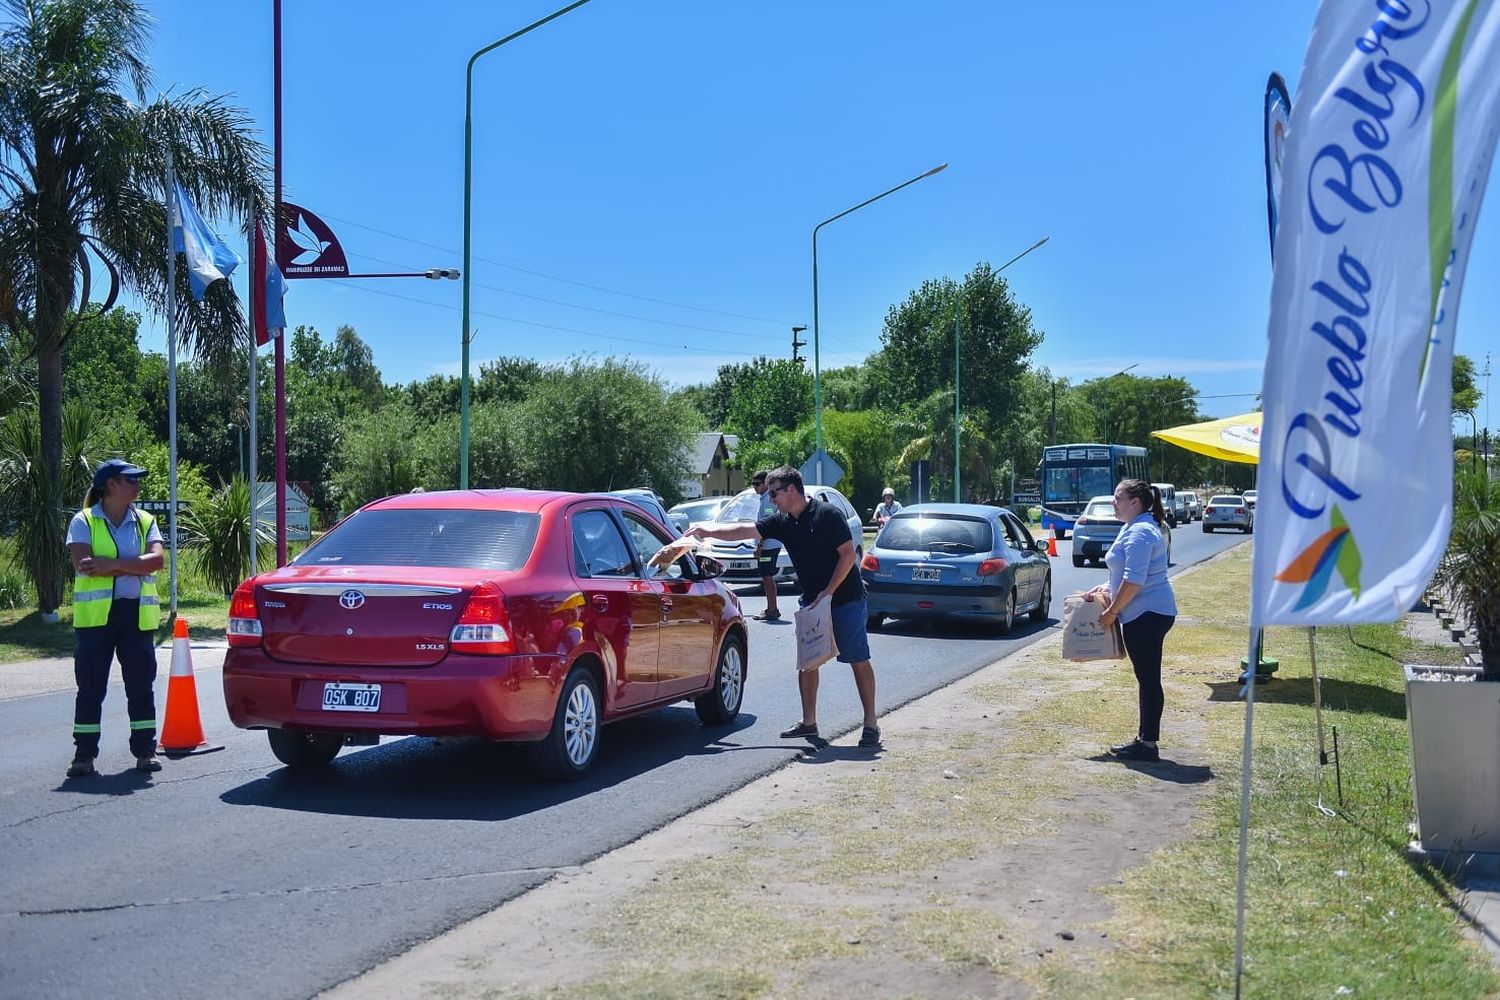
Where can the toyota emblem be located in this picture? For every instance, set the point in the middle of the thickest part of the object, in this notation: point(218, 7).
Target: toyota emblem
point(351, 599)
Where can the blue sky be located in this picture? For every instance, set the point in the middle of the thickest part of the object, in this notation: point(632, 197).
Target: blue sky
point(647, 174)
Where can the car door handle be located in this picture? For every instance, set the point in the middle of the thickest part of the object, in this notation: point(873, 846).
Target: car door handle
point(666, 605)
point(599, 602)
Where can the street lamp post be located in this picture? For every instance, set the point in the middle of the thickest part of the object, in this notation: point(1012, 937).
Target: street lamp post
point(958, 427)
point(817, 363)
point(463, 390)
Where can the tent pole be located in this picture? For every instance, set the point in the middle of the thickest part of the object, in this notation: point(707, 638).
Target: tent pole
point(1239, 909)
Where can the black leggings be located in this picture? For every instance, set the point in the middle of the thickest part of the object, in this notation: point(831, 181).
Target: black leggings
point(1144, 637)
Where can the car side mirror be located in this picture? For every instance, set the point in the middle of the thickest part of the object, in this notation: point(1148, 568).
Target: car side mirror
point(709, 567)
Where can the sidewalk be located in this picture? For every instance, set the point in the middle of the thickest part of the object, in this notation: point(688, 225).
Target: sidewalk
point(24, 678)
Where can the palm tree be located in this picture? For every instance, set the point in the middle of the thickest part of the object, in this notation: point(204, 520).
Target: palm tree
point(83, 189)
point(1470, 569)
point(930, 429)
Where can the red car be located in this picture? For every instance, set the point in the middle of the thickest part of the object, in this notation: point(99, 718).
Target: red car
point(512, 615)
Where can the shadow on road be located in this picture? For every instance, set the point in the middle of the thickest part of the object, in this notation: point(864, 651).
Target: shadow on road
point(126, 782)
point(1338, 695)
point(420, 778)
point(1165, 769)
point(966, 630)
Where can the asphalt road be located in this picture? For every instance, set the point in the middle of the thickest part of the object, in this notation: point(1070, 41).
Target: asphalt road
point(228, 875)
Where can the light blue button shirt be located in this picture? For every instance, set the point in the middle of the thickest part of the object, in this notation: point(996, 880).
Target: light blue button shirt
point(1139, 556)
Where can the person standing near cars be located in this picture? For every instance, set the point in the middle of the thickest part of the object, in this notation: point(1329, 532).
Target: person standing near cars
point(116, 551)
point(821, 548)
point(1139, 596)
point(767, 552)
point(888, 507)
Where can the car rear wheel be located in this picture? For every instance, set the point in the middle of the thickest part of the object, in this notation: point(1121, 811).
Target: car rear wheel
point(299, 749)
point(1008, 621)
point(874, 623)
point(1078, 562)
point(568, 750)
point(720, 705)
point(1040, 612)
point(1207, 530)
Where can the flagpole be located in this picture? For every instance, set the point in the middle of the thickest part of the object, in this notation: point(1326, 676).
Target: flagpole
point(281, 340)
point(171, 389)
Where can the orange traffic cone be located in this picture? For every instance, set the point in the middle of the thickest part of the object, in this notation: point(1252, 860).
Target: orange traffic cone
point(182, 731)
point(1052, 542)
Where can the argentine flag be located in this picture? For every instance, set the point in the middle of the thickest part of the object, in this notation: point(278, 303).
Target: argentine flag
point(208, 257)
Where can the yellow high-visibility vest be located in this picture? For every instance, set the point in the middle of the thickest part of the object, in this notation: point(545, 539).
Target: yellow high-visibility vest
point(92, 595)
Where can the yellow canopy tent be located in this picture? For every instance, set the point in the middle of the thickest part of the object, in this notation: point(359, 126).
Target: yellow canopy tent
point(1229, 439)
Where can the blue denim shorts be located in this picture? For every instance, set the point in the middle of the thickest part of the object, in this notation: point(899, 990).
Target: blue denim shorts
point(849, 631)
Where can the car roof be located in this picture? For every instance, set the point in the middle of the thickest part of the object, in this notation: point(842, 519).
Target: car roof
point(520, 501)
point(969, 509)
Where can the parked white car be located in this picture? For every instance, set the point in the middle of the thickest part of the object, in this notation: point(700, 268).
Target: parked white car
point(700, 511)
point(739, 557)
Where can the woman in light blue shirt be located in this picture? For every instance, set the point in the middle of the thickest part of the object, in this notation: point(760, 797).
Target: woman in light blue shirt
point(1139, 597)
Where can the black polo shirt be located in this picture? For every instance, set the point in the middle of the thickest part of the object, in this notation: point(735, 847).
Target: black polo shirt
point(812, 541)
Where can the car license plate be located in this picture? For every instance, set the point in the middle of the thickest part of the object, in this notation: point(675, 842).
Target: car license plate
point(351, 697)
point(926, 573)
point(742, 564)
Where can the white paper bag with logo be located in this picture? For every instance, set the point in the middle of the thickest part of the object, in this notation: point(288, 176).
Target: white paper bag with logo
point(1083, 637)
point(815, 642)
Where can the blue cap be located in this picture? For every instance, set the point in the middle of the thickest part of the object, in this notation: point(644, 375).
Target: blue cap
point(115, 467)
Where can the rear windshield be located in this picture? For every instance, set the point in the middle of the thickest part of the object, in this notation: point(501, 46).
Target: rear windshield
point(694, 511)
point(1225, 502)
point(1100, 509)
point(948, 533)
point(459, 539)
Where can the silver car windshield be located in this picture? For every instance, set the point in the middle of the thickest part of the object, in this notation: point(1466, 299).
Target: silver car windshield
point(745, 507)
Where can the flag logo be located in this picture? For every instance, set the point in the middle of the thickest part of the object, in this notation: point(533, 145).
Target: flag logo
point(1314, 566)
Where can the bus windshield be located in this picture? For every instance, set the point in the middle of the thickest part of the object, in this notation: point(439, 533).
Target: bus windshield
point(1079, 483)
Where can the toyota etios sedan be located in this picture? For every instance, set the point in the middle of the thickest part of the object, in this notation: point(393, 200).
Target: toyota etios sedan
point(511, 615)
point(957, 561)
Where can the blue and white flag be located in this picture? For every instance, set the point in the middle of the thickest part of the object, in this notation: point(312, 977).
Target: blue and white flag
point(209, 258)
point(1389, 150)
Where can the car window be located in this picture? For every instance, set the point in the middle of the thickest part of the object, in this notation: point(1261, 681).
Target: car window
point(644, 538)
point(1225, 501)
point(598, 547)
point(745, 507)
point(1100, 510)
point(1018, 537)
point(943, 533)
point(461, 539)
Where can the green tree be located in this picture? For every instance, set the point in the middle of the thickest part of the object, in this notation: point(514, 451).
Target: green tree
point(928, 429)
point(41, 500)
point(603, 425)
point(770, 395)
point(1466, 393)
point(506, 380)
point(996, 339)
point(83, 183)
point(850, 388)
point(379, 457)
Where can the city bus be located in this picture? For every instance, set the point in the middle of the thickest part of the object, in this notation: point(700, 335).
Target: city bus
point(1073, 474)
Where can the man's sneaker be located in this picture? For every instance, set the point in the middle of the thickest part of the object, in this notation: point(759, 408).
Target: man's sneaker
point(81, 767)
point(1137, 751)
point(799, 731)
point(1117, 748)
point(870, 736)
point(148, 763)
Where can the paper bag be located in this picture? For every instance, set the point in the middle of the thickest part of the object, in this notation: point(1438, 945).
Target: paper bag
point(1083, 637)
point(673, 551)
point(815, 642)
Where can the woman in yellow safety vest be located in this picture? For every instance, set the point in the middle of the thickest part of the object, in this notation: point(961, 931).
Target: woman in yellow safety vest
point(116, 552)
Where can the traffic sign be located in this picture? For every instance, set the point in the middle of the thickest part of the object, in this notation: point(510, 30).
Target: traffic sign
point(829, 473)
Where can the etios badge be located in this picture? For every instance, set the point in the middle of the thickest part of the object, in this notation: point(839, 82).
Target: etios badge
point(351, 599)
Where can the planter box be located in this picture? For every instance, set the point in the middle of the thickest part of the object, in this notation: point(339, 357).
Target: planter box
point(1455, 752)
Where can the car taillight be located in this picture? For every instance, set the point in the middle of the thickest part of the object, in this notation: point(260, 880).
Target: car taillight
point(483, 627)
point(244, 623)
point(1239, 510)
point(992, 566)
point(870, 563)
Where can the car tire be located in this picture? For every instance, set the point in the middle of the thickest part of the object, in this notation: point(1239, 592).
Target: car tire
point(1041, 611)
point(1207, 530)
point(874, 623)
point(1008, 622)
point(298, 749)
point(1078, 562)
point(573, 742)
point(720, 705)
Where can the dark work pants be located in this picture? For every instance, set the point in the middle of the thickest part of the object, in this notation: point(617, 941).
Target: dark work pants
point(1144, 638)
point(93, 653)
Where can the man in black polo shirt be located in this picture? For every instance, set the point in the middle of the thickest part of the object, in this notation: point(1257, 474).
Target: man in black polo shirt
point(817, 539)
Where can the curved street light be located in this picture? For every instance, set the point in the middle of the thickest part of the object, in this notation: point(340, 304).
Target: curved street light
point(817, 364)
point(463, 388)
